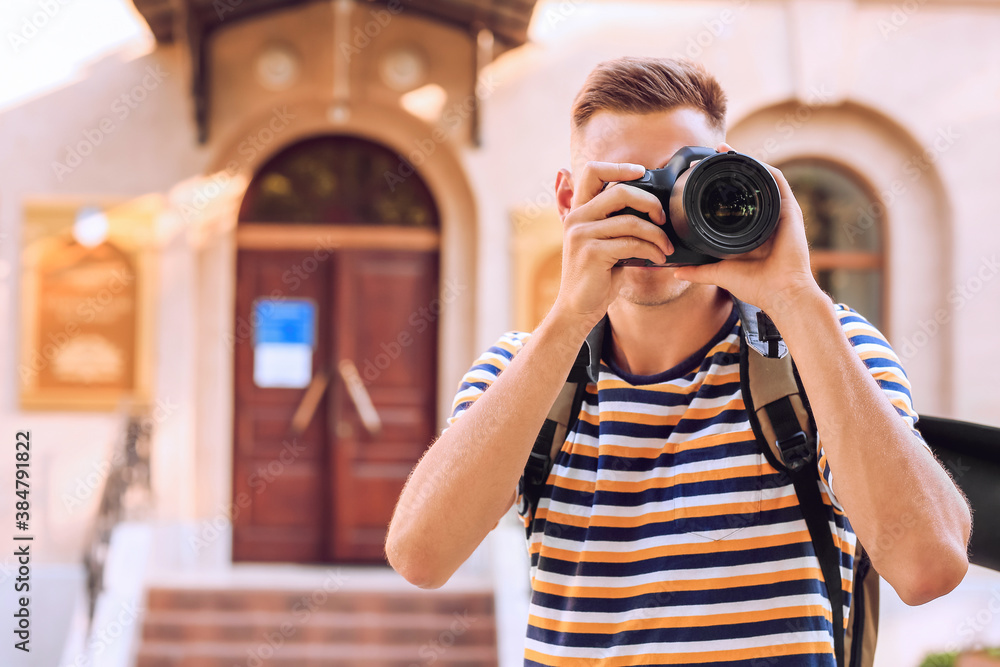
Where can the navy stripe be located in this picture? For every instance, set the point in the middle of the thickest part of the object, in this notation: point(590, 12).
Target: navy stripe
point(866, 339)
point(665, 398)
point(888, 385)
point(665, 459)
point(761, 555)
point(667, 598)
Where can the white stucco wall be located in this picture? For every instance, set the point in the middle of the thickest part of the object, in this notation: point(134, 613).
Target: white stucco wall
point(928, 83)
point(131, 149)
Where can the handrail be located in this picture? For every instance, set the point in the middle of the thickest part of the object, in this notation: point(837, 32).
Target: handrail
point(129, 469)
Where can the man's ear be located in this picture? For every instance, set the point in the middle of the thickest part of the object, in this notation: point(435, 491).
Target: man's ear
point(564, 192)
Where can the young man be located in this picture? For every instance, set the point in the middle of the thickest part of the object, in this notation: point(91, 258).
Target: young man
point(663, 535)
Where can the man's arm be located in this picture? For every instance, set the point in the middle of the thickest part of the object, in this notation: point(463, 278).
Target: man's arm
point(464, 483)
point(903, 506)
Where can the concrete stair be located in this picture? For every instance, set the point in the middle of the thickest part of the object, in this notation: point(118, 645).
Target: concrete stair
point(199, 627)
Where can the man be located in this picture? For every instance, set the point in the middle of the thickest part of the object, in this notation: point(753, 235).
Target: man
point(663, 535)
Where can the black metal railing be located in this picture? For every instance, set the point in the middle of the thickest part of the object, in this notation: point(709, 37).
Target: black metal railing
point(127, 477)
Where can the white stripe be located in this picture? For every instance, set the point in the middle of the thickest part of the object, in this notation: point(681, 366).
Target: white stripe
point(657, 410)
point(683, 611)
point(623, 511)
point(662, 473)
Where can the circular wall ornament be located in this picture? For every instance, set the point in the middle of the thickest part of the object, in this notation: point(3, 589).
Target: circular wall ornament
point(277, 67)
point(403, 68)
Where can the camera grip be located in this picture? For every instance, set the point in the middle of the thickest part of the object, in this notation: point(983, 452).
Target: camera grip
point(628, 210)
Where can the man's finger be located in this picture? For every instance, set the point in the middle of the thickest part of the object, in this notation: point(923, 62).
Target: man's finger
point(624, 247)
point(618, 197)
point(630, 225)
point(705, 274)
point(595, 174)
point(783, 187)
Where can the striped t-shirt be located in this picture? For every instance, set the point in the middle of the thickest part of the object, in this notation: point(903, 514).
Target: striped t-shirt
point(664, 536)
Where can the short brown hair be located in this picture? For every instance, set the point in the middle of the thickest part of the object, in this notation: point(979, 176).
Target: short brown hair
point(648, 85)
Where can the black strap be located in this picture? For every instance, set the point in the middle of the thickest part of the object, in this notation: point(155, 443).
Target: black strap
point(859, 606)
point(759, 331)
point(798, 452)
point(536, 469)
point(585, 369)
point(815, 514)
point(574, 415)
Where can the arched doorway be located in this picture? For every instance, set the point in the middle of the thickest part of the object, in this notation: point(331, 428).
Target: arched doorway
point(335, 354)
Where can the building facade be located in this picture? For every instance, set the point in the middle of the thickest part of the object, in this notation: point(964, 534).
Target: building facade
point(314, 215)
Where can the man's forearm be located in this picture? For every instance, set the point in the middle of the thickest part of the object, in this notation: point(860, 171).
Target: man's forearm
point(465, 482)
point(903, 506)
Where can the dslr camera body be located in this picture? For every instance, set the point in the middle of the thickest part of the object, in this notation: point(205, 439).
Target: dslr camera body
point(725, 204)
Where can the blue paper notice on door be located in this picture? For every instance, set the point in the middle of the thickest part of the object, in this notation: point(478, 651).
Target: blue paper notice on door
point(284, 335)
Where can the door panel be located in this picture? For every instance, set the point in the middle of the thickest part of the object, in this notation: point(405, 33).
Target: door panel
point(386, 315)
point(328, 494)
point(283, 477)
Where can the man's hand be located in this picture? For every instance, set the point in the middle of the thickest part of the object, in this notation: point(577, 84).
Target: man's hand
point(771, 276)
point(593, 242)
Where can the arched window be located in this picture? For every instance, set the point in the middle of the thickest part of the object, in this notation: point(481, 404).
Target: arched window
point(339, 180)
point(845, 230)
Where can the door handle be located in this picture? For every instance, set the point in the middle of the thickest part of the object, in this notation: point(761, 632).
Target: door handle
point(310, 401)
point(360, 397)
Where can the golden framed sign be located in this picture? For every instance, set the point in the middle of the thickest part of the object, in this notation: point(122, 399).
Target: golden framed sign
point(86, 307)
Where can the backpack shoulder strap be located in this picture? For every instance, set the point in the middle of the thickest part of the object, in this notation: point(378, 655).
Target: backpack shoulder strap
point(560, 421)
point(862, 624)
point(782, 423)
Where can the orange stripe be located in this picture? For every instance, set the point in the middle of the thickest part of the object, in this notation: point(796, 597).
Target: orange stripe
point(711, 381)
point(647, 419)
point(648, 483)
point(807, 648)
point(690, 548)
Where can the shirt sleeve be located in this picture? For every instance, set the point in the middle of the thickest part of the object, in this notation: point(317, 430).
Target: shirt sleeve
point(885, 366)
point(484, 372)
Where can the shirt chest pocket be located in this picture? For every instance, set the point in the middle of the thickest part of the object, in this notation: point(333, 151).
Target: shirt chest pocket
point(716, 493)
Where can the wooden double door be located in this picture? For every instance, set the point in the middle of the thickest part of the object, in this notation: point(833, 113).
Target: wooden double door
point(362, 394)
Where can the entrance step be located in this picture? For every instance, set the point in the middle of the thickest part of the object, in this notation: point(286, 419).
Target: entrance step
point(204, 627)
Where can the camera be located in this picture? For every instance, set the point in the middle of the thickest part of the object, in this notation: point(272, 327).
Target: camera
point(725, 204)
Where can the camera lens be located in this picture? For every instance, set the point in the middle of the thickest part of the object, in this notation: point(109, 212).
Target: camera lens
point(730, 203)
point(724, 204)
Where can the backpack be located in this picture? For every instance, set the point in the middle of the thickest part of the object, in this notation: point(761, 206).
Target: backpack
point(782, 423)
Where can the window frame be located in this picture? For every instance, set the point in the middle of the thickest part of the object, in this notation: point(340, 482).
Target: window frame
point(829, 259)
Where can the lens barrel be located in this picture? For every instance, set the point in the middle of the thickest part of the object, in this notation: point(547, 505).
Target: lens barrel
point(726, 204)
